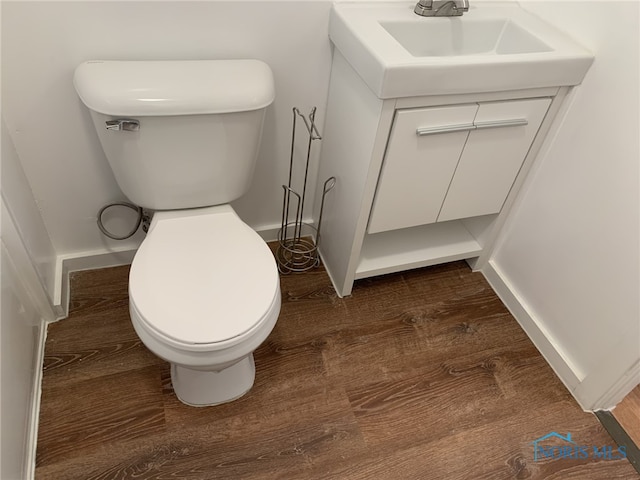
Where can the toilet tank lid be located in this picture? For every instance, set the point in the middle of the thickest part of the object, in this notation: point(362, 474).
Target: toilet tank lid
point(181, 87)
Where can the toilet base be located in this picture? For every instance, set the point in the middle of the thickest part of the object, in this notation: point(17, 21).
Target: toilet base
point(198, 388)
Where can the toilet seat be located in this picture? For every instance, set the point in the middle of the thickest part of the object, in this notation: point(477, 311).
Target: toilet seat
point(203, 279)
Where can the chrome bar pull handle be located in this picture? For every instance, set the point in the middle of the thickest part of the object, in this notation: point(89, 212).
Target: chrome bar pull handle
point(465, 127)
point(515, 122)
point(123, 124)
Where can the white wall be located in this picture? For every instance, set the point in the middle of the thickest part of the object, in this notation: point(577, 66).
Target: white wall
point(19, 347)
point(28, 266)
point(43, 42)
point(19, 200)
point(570, 248)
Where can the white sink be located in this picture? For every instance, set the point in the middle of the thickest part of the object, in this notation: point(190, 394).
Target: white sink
point(474, 37)
point(492, 47)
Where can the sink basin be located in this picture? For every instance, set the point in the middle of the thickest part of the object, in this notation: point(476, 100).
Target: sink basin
point(475, 37)
point(492, 47)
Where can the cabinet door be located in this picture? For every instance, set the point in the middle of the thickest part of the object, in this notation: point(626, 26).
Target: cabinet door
point(492, 157)
point(423, 150)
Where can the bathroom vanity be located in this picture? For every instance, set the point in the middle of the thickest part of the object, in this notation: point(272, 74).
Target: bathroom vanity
point(430, 149)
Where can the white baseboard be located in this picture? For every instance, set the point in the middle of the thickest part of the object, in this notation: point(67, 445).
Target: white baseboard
point(34, 410)
point(559, 361)
point(613, 378)
point(269, 233)
point(620, 389)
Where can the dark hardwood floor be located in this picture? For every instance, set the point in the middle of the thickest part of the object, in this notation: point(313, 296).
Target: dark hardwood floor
point(420, 375)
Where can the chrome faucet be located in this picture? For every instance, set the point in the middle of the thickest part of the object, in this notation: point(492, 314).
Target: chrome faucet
point(441, 8)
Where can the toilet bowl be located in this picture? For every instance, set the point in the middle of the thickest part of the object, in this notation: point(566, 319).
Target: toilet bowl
point(182, 139)
point(204, 293)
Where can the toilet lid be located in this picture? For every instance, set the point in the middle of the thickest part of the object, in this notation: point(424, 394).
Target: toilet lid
point(203, 279)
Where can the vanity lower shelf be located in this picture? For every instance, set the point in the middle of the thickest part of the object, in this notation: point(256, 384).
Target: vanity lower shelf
point(416, 247)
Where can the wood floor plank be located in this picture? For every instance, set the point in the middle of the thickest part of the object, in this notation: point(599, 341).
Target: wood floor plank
point(261, 410)
point(79, 419)
point(418, 375)
point(628, 414)
point(431, 405)
point(94, 293)
point(91, 343)
point(65, 367)
point(285, 454)
point(479, 453)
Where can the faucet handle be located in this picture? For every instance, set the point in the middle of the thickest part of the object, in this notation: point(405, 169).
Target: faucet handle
point(462, 5)
point(422, 7)
point(441, 8)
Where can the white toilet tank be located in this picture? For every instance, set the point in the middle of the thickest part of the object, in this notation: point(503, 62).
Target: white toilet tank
point(178, 134)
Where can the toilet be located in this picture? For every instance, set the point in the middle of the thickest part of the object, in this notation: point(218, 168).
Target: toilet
point(182, 139)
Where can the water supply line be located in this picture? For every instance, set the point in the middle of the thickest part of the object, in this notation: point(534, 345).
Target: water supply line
point(143, 219)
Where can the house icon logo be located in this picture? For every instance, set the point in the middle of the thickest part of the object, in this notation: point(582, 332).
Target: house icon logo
point(541, 450)
point(554, 446)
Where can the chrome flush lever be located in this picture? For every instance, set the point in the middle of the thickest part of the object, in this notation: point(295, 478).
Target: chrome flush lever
point(123, 124)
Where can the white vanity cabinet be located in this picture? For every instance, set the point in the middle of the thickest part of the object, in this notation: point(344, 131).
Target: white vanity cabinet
point(452, 162)
point(422, 180)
